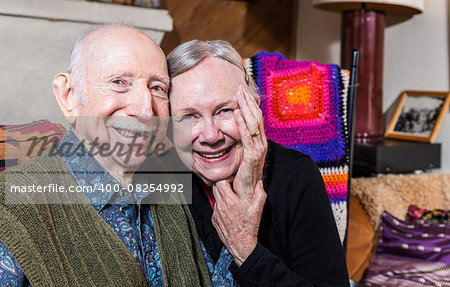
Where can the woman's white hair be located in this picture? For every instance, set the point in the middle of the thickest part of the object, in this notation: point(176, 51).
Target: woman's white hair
point(188, 55)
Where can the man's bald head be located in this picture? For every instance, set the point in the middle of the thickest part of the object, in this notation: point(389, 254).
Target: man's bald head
point(121, 76)
point(95, 43)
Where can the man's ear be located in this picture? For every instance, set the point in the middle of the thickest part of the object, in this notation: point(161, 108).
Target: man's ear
point(64, 95)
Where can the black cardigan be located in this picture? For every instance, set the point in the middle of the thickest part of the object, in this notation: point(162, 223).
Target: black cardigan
point(298, 242)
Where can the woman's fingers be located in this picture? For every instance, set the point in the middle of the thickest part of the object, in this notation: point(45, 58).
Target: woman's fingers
point(250, 119)
point(225, 201)
point(246, 138)
point(260, 195)
point(253, 116)
point(236, 220)
point(252, 131)
point(256, 111)
point(224, 194)
point(252, 104)
point(217, 219)
point(250, 169)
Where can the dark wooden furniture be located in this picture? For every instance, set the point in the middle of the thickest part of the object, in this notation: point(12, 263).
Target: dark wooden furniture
point(394, 156)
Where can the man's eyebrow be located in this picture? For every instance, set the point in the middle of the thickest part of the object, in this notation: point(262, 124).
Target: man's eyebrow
point(164, 79)
point(161, 78)
point(118, 74)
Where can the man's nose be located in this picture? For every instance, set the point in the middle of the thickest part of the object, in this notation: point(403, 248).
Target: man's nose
point(140, 102)
point(210, 131)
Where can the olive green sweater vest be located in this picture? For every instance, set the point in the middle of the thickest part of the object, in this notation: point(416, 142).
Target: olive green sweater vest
point(71, 245)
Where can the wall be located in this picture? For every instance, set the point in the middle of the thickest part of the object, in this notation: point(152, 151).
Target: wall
point(416, 55)
point(29, 65)
point(36, 39)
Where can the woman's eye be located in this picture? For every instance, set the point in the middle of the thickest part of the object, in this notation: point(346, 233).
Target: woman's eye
point(188, 117)
point(225, 111)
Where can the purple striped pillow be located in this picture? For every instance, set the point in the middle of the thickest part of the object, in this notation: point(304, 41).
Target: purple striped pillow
point(410, 254)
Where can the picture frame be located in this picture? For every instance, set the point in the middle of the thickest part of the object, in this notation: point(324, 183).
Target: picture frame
point(418, 116)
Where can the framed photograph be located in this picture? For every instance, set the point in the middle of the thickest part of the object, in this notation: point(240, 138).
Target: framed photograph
point(418, 116)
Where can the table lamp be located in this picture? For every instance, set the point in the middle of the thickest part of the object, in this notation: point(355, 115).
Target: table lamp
point(363, 24)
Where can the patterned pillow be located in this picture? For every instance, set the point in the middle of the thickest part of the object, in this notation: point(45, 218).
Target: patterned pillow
point(410, 255)
point(422, 215)
point(19, 143)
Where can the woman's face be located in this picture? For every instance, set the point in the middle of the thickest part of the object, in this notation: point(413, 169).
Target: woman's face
point(206, 136)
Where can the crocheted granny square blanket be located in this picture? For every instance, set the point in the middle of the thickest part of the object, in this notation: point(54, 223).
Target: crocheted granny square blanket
point(304, 105)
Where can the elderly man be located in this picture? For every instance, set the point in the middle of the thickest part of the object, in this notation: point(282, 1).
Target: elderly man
point(114, 95)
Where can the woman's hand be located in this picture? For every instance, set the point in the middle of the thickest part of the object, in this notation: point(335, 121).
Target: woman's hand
point(238, 208)
point(251, 129)
point(236, 220)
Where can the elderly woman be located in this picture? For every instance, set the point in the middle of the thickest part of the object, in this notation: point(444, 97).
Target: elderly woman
point(261, 210)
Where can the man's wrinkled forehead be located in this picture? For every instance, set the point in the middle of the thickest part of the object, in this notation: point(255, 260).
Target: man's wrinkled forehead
point(123, 51)
point(120, 41)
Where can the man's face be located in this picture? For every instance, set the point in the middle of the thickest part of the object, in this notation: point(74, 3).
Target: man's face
point(125, 91)
point(205, 132)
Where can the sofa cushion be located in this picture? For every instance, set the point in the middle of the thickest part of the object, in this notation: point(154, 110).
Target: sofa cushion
point(361, 240)
point(410, 254)
point(16, 141)
point(394, 193)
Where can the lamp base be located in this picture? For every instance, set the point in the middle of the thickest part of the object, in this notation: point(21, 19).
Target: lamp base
point(364, 30)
